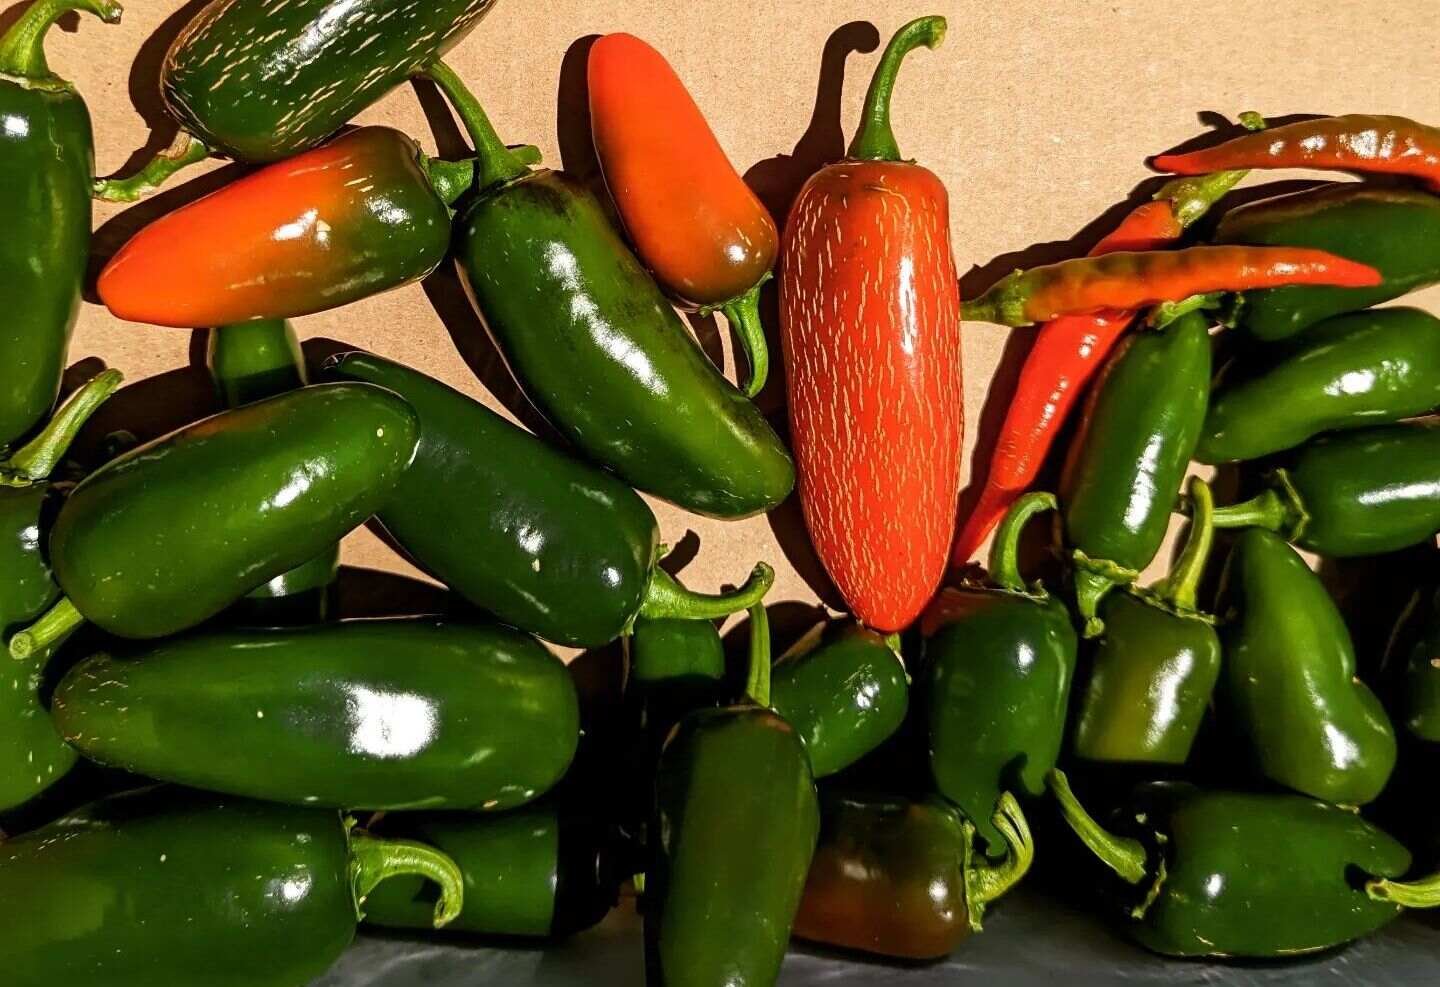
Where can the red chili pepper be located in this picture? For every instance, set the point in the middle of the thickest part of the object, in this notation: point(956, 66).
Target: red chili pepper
point(1355, 142)
point(870, 325)
point(694, 222)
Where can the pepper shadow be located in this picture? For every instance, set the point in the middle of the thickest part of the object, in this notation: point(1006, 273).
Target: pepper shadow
point(148, 409)
point(789, 622)
point(572, 118)
point(369, 593)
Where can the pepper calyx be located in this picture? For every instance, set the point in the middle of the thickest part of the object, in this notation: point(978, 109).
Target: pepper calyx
point(1094, 579)
point(1279, 508)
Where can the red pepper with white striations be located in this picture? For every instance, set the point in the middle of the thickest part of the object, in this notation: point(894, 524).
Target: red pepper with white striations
point(870, 325)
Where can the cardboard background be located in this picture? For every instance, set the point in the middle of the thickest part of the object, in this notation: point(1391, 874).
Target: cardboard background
point(1038, 116)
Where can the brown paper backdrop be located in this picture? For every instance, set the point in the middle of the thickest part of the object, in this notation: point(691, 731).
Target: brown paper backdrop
point(1038, 115)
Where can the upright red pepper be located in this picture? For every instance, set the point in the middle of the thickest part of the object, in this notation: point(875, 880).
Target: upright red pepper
point(870, 324)
point(694, 222)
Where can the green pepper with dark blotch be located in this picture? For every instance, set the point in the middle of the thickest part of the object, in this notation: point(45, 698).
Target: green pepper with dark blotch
point(1368, 368)
point(32, 755)
point(1153, 672)
point(172, 533)
point(595, 343)
point(169, 888)
point(557, 548)
point(1368, 492)
point(47, 161)
point(1239, 874)
point(538, 872)
point(1291, 689)
point(900, 879)
point(1127, 462)
point(1395, 230)
point(1000, 657)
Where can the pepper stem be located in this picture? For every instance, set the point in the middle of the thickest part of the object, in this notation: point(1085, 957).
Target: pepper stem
point(452, 179)
point(743, 314)
point(22, 49)
point(1278, 508)
point(496, 163)
point(1424, 893)
point(184, 151)
point(1181, 586)
point(46, 632)
point(987, 882)
point(875, 141)
point(1005, 549)
point(666, 599)
point(373, 860)
point(757, 679)
point(1094, 579)
point(38, 458)
point(1191, 197)
point(1126, 857)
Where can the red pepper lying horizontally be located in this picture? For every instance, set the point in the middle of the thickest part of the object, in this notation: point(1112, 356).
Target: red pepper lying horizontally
point(870, 322)
point(1136, 280)
point(694, 222)
point(1356, 142)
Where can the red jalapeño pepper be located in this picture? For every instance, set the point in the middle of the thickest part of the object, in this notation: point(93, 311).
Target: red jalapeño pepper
point(870, 324)
point(694, 222)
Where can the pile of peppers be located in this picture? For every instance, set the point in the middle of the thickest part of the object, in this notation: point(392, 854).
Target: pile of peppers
point(172, 612)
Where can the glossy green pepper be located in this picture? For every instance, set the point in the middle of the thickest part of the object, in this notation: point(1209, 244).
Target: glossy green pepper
point(47, 161)
point(1367, 368)
point(673, 650)
point(1367, 492)
point(32, 755)
point(167, 888)
point(372, 714)
point(536, 872)
point(1000, 657)
point(546, 543)
point(173, 532)
point(1292, 694)
point(248, 362)
point(1127, 462)
point(1420, 693)
point(1394, 230)
point(736, 822)
point(1153, 672)
point(900, 879)
point(1238, 874)
point(595, 343)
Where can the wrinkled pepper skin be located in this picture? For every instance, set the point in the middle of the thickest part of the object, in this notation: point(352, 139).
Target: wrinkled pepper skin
point(1367, 368)
point(1290, 679)
point(1397, 231)
point(1421, 678)
point(47, 161)
point(353, 218)
point(373, 714)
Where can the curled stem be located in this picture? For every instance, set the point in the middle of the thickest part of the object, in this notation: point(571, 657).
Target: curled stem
point(374, 860)
point(183, 152)
point(1005, 549)
point(665, 598)
point(1125, 856)
point(37, 459)
point(743, 314)
point(875, 140)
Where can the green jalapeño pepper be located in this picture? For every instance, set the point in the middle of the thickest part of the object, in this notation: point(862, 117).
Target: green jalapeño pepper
point(167, 888)
point(1367, 368)
point(32, 755)
point(172, 533)
point(1395, 230)
point(1290, 671)
point(536, 872)
point(1133, 449)
point(1000, 658)
point(1243, 875)
point(1153, 672)
point(251, 361)
point(596, 345)
point(901, 879)
point(1368, 492)
point(368, 714)
point(675, 666)
point(47, 161)
point(737, 819)
point(556, 547)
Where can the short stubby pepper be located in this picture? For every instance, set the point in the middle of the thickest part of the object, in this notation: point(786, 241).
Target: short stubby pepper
point(559, 548)
point(47, 161)
point(1366, 368)
point(1153, 672)
point(1291, 691)
point(1000, 657)
point(170, 534)
point(144, 890)
point(900, 879)
point(370, 714)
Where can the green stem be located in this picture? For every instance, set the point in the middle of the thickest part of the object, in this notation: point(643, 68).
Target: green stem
point(1126, 857)
point(1003, 304)
point(875, 141)
point(743, 314)
point(1279, 509)
point(1424, 893)
point(496, 163)
point(988, 881)
point(452, 179)
point(1167, 312)
point(1005, 549)
point(183, 152)
point(1181, 586)
point(48, 631)
point(374, 860)
point(666, 599)
point(1094, 579)
point(757, 679)
point(1191, 197)
point(37, 459)
point(22, 49)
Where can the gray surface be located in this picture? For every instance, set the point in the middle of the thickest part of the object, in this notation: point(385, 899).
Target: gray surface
point(1029, 940)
